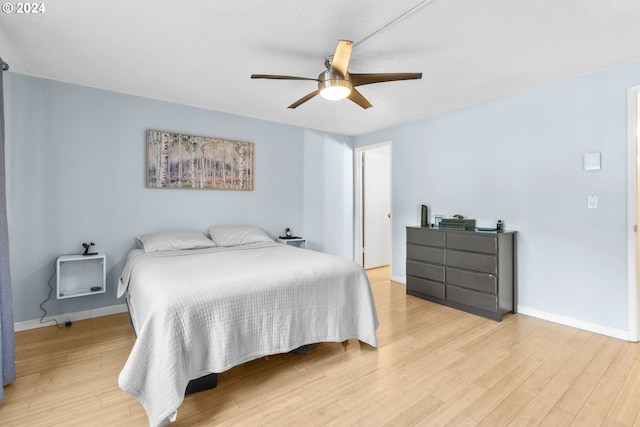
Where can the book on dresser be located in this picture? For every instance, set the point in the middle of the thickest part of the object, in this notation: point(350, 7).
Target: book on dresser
point(474, 271)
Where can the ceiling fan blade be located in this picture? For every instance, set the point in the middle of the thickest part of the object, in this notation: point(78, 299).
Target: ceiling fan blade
point(342, 56)
point(357, 97)
point(278, 77)
point(367, 79)
point(303, 99)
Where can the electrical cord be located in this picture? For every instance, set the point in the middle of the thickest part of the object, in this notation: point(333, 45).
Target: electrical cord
point(44, 311)
point(407, 13)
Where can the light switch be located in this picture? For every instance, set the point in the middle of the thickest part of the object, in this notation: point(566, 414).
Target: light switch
point(592, 202)
point(592, 161)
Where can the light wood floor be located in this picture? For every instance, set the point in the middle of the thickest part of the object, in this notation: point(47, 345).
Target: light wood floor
point(435, 366)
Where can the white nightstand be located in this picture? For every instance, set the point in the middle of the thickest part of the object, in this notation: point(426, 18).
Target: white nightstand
point(79, 275)
point(297, 241)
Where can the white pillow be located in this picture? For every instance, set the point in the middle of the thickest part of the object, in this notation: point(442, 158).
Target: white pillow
point(171, 240)
point(236, 235)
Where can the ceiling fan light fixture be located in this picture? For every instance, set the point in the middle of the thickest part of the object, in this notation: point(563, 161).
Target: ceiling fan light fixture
point(335, 93)
point(335, 89)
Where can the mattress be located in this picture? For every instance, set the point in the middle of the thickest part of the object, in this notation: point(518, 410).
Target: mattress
point(202, 311)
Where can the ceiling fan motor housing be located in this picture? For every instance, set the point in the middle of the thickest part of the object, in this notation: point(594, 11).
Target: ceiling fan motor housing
point(332, 85)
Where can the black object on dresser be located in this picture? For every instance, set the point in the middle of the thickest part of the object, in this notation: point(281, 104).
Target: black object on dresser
point(468, 270)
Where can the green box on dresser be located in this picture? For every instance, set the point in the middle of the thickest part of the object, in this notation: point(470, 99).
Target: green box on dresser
point(474, 271)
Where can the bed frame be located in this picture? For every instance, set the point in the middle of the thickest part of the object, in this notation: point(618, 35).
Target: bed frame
point(203, 383)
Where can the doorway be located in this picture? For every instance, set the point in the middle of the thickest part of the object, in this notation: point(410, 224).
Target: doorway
point(633, 208)
point(373, 205)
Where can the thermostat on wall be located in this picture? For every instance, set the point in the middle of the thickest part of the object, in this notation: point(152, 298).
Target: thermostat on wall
point(591, 161)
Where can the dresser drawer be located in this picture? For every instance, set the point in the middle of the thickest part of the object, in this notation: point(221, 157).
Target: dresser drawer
point(426, 237)
point(484, 243)
point(425, 287)
point(477, 281)
point(426, 254)
point(426, 271)
point(472, 261)
point(471, 298)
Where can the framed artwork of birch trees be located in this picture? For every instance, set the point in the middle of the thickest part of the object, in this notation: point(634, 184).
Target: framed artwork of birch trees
point(176, 160)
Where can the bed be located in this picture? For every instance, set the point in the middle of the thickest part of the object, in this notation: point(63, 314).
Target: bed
point(203, 305)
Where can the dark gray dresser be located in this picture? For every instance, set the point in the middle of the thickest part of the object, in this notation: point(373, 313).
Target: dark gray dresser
point(473, 271)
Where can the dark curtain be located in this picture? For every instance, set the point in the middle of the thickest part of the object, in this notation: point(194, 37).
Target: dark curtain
point(7, 346)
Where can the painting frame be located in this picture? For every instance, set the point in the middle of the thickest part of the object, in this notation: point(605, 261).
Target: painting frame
point(178, 160)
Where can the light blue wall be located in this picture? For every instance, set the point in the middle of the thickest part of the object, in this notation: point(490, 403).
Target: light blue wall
point(520, 159)
point(76, 173)
point(329, 193)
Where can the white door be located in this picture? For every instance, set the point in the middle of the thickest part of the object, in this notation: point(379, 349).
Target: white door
point(634, 139)
point(376, 192)
point(633, 213)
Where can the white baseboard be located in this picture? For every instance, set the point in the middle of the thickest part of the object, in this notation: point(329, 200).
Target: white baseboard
point(575, 323)
point(563, 320)
point(399, 279)
point(61, 318)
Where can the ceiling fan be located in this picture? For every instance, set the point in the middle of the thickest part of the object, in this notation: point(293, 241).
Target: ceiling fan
point(336, 82)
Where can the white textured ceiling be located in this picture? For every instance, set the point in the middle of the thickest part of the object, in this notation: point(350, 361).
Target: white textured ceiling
point(202, 53)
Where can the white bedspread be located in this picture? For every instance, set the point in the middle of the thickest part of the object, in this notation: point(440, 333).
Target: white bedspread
point(202, 311)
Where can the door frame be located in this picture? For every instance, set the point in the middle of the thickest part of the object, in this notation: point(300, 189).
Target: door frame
point(358, 211)
point(633, 137)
